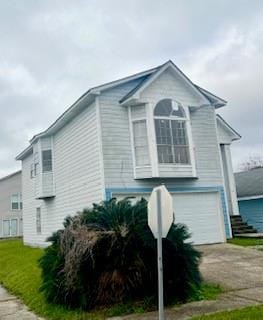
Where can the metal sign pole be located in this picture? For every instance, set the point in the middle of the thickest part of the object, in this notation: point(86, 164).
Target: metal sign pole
point(160, 254)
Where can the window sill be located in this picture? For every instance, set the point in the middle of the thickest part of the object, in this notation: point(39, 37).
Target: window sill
point(166, 171)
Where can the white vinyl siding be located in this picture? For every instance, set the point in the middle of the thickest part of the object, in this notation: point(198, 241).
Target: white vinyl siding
point(77, 155)
point(11, 186)
point(141, 148)
point(138, 112)
point(77, 174)
point(116, 141)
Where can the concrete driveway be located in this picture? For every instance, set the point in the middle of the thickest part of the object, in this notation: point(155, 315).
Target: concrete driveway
point(237, 269)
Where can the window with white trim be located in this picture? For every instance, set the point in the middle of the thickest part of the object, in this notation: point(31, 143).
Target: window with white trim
point(16, 202)
point(46, 160)
point(171, 133)
point(140, 140)
point(32, 171)
point(36, 163)
point(38, 220)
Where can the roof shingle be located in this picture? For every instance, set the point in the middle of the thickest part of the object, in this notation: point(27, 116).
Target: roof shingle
point(249, 183)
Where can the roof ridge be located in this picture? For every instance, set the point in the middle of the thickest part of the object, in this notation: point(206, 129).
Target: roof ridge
point(10, 175)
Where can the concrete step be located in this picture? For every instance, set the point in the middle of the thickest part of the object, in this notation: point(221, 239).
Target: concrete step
point(240, 227)
point(244, 226)
point(239, 224)
point(236, 218)
point(251, 235)
point(247, 231)
point(243, 230)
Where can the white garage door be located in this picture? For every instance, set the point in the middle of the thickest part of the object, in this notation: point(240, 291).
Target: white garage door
point(201, 212)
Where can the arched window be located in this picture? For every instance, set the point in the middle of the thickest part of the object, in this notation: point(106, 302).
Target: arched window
point(171, 132)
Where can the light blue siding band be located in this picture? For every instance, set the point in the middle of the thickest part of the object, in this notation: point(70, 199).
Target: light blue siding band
point(110, 191)
point(252, 212)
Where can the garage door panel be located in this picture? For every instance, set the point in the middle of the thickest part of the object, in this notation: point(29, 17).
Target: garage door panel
point(200, 211)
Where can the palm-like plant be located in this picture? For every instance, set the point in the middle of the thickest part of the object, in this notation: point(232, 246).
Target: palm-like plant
point(107, 254)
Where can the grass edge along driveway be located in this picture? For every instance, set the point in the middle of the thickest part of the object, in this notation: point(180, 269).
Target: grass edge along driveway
point(21, 276)
point(246, 242)
point(248, 313)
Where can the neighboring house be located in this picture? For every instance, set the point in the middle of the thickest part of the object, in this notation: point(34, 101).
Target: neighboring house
point(122, 139)
point(11, 205)
point(250, 196)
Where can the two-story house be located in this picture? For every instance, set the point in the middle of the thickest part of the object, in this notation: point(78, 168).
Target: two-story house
point(122, 139)
point(11, 205)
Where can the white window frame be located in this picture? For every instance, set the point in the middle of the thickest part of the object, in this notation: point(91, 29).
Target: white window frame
point(170, 119)
point(32, 171)
point(10, 227)
point(17, 227)
point(36, 164)
point(20, 202)
point(38, 221)
point(51, 161)
point(149, 162)
point(4, 235)
point(131, 120)
point(152, 145)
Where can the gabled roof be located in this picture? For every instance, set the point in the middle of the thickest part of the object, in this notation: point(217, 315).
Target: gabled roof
point(215, 100)
point(205, 95)
point(77, 106)
point(234, 134)
point(249, 183)
point(89, 96)
point(10, 175)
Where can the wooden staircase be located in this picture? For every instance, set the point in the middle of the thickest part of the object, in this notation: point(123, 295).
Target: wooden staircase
point(240, 227)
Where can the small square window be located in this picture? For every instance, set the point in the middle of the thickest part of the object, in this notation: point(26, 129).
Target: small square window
point(16, 202)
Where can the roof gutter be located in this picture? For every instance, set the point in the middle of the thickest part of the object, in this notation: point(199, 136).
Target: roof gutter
point(65, 117)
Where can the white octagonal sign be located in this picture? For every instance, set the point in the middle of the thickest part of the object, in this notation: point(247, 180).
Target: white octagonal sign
point(167, 215)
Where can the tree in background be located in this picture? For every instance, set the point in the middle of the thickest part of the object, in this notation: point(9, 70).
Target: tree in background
point(251, 162)
point(107, 255)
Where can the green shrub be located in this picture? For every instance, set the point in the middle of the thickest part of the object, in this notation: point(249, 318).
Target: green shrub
point(107, 255)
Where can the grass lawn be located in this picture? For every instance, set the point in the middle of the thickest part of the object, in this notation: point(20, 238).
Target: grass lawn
point(249, 313)
point(246, 242)
point(20, 274)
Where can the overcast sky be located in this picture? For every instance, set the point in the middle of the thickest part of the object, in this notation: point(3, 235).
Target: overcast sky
point(53, 51)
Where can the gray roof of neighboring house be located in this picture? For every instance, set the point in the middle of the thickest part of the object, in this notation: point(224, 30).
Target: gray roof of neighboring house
point(249, 183)
point(10, 175)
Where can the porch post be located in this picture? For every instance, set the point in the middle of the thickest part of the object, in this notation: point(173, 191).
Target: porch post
point(231, 180)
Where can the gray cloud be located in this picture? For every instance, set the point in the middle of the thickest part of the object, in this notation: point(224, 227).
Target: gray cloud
point(53, 51)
